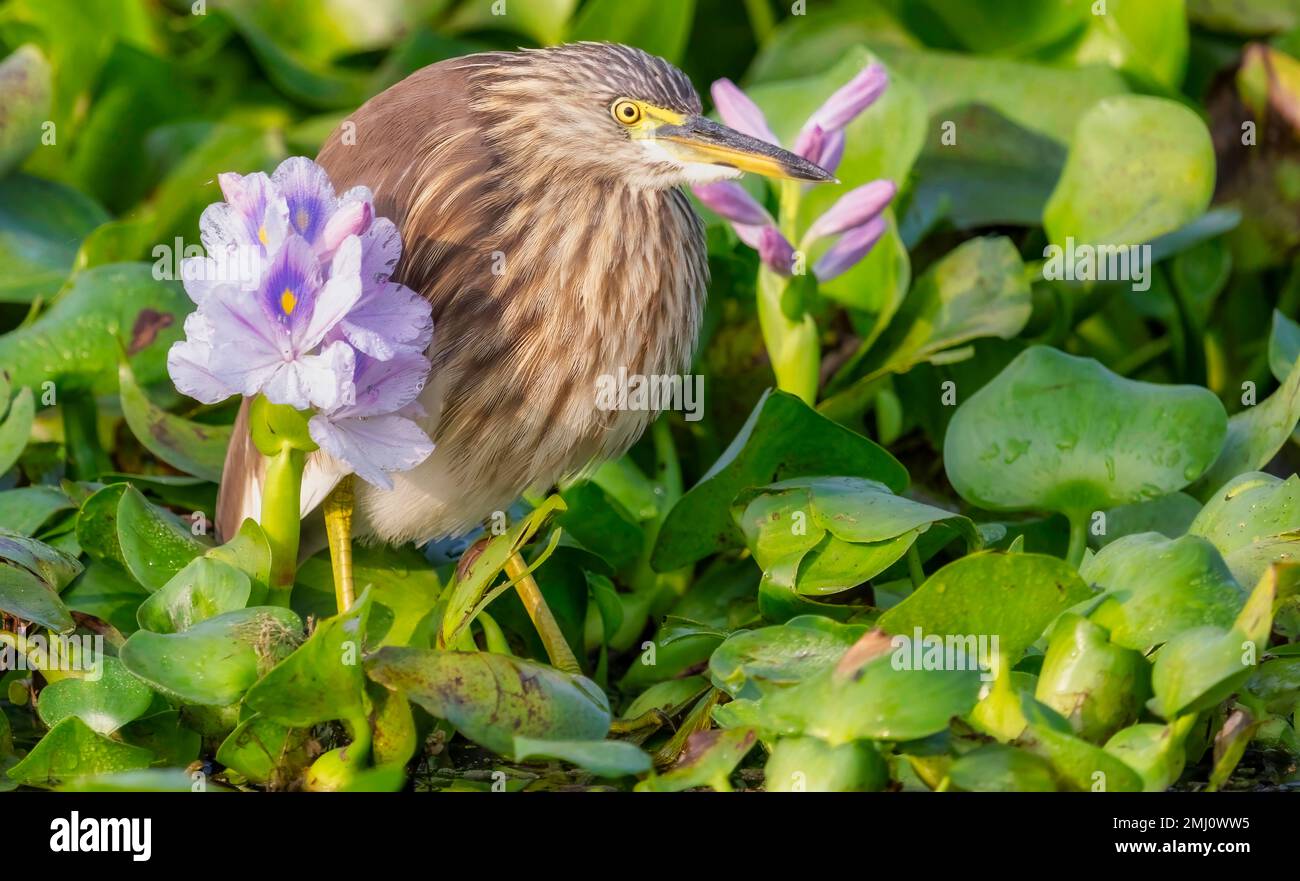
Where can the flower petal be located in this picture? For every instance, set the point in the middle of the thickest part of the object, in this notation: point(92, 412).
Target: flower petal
point(730, 200)
point(188, 360)
point(309, 194)
point(384, 387)
point(381, 248)
point(335, 299)
point(850, 99)
point(350, 219)
point(740, 112)
point(854, 208)
point(323, 381)
point(851, 248)
point(372, 446)
point(389, 318)
point(775, 250)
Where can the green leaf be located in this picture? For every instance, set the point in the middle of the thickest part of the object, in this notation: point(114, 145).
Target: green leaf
point(1254, 521)
point(53, 566)
point(750, 663)
point(16, 428)
point(543, 20)
point(404, 589)
point(1012, 596)
point(1059, 433)
point(474, 592)
point(72, 749)
point(977, 290)
point(41, 225)
point(998, 768)
point(1199, 668)
point(605, 758)
point(492, 699)
point(1010, 27)
point(26, 595)
point(264, 751)
point(26, 509)
point(322, 679)
point(782, 438)
point(155, 545)
point(865, 696)
point(204, 589)
point(1138, 167)
point(108, 593)
point(105, 703)
point(1169, 516)
point(1078, 764)
point(216, 661)
point(995, 172)
point(1155, 588)
point(1145, 37)
point(657, 27)
point(1098, 687)
point(106, 310)
point(834, 533)
point(1156, 752)
point(1283, 346)
point(1255, 436)
point(192, 447)
point(806, 764)
point(708, 760)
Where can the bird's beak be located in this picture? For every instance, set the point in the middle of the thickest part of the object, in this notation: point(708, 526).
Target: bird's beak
point(700, 139)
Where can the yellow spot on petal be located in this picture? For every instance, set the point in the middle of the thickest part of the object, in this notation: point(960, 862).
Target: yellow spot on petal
point(303, 219)
point(288, 301)
point(261, 234)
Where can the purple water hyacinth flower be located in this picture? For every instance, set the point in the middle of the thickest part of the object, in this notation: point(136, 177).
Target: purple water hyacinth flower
point(775, 251)
point(855, 217)
point(373, 433)
point(851, 247)
point(263, 342)
point(854, 208)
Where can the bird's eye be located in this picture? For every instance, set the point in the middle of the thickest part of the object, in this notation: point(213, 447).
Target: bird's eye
point(626, 112)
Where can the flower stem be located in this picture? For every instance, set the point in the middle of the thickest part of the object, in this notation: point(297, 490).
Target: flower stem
point(914, 568)
point(792, 344)
point(1078, 539)
point(338, 527)
point(280, 519)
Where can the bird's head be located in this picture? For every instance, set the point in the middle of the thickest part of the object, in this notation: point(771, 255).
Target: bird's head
point(605, 110)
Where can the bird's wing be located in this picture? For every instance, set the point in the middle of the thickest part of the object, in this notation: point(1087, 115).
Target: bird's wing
point(417, 146)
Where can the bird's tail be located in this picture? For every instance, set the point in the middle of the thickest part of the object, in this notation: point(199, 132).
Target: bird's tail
point(240, 494)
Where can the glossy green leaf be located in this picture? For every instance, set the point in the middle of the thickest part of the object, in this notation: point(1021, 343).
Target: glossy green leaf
point(103, 312)
point(1010, 596)
point(16, 427)
point(1007, 27)
point(322, 679)
point(806, 764)
point(1060, 433)
point(998, 768)
point(1078, 764)
point(105, 703)
point(404, 589)
point(491, 699)
point(1138, 167)
point(26, 595)
point(605, 758)
point(193, 447)
point(26, 509)
point(750, 663)
point(1097, 686)
point(1255, 435)
point(708, 760)
point(1155, 588)
point(1156, 752)
point(1254, 521)
point(204, 589)
point(216, 661)
point(783, 438)
point(155, 544)
point(72, 749)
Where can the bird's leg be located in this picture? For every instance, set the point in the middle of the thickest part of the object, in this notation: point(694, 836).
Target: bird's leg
point(338, 527)
point(557, 647)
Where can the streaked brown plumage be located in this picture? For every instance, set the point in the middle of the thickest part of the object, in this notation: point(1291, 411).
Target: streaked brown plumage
point(555, 247)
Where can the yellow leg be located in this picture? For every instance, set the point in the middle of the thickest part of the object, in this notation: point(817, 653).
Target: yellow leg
point(338, 526)
point(557, 647)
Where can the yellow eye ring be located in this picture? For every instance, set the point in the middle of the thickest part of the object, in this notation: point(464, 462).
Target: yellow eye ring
point(626, 112)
